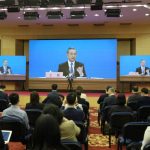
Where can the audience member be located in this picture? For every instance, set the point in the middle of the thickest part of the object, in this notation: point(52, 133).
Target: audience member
point(34, 102)
point(53, 99)
point(54, 88)
point(133, 99)
point(69, 130)
point(120, 105)
point(83, 95)
point(3, 95)
point(103, 96)
point(144, 99)
point(71, 110)
point(14, 110)
point(111, 99)
point(146, 139)
point(46, 134)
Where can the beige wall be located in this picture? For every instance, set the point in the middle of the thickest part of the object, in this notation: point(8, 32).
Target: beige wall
point(141, 34)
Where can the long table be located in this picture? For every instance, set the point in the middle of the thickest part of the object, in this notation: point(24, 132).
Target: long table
point(12, 77)
point(138, 80)
point(87, 84)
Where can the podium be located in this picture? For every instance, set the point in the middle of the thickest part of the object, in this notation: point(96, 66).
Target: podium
point(12, 77)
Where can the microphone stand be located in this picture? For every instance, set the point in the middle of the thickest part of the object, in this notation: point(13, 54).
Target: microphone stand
point(70, 81)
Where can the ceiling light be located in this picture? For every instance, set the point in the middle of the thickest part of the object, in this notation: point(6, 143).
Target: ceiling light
point(3, 15)
point(121, 15)
point(113, 12)
point(147, 14)
point(31, 15)
point(77, 14)
point(96, 15)
point(134, 9)
point(54, 14)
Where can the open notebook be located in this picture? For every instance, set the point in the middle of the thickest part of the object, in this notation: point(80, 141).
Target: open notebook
point(6, 135)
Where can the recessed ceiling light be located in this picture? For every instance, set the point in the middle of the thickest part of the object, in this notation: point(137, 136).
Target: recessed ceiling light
point(146, 14)
point(121, 15)
point(96, 15)
point(134, 9)
point(19, 17)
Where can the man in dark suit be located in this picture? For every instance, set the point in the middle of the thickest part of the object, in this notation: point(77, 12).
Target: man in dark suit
point(5, 69)
point(144, 99)
point(72, 68)
point(143, 70)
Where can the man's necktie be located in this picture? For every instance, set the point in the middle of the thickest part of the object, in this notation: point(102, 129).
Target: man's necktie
point(71, 68)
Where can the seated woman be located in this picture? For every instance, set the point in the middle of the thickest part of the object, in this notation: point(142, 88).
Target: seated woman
point(34, 102)
point(69, 130)
point(120, 105)
point(46, 134)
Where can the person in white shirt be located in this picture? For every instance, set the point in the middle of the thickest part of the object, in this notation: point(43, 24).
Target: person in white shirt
point(143, 70)
point(5, 69)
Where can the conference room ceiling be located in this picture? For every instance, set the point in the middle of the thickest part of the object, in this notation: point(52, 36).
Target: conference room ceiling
point(132, 12)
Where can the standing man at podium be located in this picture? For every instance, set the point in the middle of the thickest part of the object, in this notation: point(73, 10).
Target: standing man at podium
point(72, 68)
point(5, 69)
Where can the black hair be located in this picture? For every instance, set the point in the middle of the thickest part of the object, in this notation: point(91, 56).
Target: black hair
point(34, 97)
point(46, 133)
point(54, 86)
point(70, 49)
point(121, 99)
point(144, 90)
point(108, 87)
point(71, 98)
point(14, 98)
point(135, 88)
point(54, 111)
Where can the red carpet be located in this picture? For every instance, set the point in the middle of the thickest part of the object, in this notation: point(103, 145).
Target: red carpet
point(97, 141)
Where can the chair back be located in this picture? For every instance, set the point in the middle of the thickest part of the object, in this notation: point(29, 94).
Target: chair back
point(143, 112)
point(72, 145)
point(3, 104)
point(118, 119)
point(17, 127)
point(132, 105)
point(33, 114)
point(135, 130)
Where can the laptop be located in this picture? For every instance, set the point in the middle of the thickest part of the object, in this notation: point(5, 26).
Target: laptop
point(6, 135)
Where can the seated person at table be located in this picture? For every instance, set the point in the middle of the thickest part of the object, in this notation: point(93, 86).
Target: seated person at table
point(143, 70)
point(3, 94)
point(68, 129)
point(5, 69)
point(14, 110)
point(72, 68)
point(34, 102)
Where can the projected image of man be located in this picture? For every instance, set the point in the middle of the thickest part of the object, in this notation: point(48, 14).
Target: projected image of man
point(5, 69)
point(72, 68)
point(143, 70)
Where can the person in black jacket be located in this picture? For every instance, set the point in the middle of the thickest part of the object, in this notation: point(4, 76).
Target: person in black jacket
point(34, 102)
